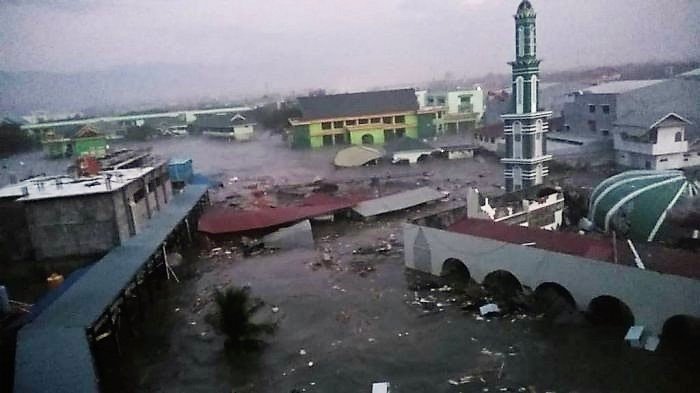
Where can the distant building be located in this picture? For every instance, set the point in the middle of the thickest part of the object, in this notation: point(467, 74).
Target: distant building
point(368, 118)
point(491, 138)
point(646, 140)
point(409, 150)
point(87, 141)
point(525, 126)
point(461, 109)
point(224, 125)
point(594, 110)
point(64, 216)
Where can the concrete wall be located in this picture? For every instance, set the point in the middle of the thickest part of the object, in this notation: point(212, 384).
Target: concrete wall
point(72, 226)
point(577, 114)
point(652, 297)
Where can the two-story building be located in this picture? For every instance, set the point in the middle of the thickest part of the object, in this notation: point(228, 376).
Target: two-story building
point(461, 109)
point(594, 110)
point(365, 118)
point(651, 141)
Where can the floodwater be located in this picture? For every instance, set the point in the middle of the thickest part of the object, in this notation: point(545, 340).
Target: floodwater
point(354, 318)
point(357, 326)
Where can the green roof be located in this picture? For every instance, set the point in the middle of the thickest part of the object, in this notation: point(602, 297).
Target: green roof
point(637, 202)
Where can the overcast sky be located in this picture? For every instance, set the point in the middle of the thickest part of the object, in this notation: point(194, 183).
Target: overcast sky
point(341, 44)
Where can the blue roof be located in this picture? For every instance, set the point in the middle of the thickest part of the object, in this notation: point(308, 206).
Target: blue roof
point(53, 353)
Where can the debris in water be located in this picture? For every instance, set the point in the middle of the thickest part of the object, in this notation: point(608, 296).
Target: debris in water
point(302, 352)
point(275, 309)
point(311, 364)
point(488, 309)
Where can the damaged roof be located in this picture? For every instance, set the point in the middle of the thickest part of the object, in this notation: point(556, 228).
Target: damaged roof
point(399, 201)
point(358, 104)
point(654, 257)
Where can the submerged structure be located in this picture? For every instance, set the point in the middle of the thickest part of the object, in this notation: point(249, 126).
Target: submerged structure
point(636, 204)
point(525, 126)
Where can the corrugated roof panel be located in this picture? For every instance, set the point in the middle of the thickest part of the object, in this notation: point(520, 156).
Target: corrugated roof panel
point(399, 201)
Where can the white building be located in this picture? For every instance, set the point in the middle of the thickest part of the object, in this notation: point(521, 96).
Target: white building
point(648, 141)
point(462, 108)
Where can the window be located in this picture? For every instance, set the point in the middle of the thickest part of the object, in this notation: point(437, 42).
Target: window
point(339, 139)
point(679, 136)
point(431, 100)
point(591, 108)
point(139, 195)
point(663, 160)
point(400, 132)
point(533, 93)
point(493, 140)
point(521, 41)
point(439, 115)
point(519, 94)
point(363, 121)
point(326, 125)
point(388, 135)
point(518, 137)
point(375, 120)
point(441, 100)
point(328, 140)
point(400, 119)
point(337, 124)
point(605, 132)
point(465, 99)
point(592, 125)
point(606, 109)
point(350, 122)
point(386, 120)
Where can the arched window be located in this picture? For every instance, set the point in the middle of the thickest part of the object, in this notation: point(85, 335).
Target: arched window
point(519, 92)
point(521, 41)
point(532, 41)
point(533, 93)
point(679, 136)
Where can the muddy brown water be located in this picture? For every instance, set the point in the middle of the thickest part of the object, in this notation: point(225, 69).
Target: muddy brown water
point(358, 329)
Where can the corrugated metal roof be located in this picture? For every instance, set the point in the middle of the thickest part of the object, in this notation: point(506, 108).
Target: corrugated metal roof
point(399, 201)
point(224, 220)
point(53, 352)
point(619, 87)
point(358, 104)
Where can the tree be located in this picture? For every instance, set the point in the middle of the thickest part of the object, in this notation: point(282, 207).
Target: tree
point(13, 139)
point(234, 319)
point(141, 133)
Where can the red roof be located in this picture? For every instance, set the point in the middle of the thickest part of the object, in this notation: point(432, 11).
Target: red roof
point(225, 220)
point(654, 257)
point(563, 242)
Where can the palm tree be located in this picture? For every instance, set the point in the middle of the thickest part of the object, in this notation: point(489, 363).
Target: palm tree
point(236, 310)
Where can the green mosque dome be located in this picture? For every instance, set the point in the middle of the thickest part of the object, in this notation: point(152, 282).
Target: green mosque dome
point(635, 203)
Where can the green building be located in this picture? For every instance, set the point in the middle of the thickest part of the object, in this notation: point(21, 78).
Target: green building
point(88, 141)
point(369, 118)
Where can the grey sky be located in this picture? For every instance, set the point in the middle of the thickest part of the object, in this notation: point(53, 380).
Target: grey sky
point(340, 44)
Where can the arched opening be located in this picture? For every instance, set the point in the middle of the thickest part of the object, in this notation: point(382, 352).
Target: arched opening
point(423, 158)
point(554, 300)
point(455, 272)
point(679, 137)
point(367, 139)
point(502, 284)
point(682, 332)
point(610, 311)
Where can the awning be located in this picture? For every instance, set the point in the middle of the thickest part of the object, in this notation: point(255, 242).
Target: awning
point(357, 156)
